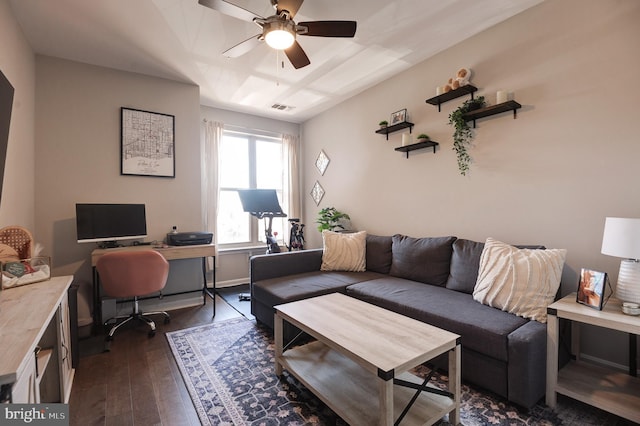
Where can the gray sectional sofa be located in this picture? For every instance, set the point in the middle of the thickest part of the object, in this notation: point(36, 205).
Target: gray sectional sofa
point(431, 280)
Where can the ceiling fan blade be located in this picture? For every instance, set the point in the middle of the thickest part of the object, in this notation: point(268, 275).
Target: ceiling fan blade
point(230, 9)
point(290, 6)
point(242, 47)
point(297, 56)
point(329, 28)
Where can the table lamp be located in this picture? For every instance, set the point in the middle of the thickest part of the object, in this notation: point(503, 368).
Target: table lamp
point(622, 239)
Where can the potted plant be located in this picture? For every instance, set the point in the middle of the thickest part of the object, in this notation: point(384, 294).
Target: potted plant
point(422, 137)
point(383, 124)
point(462, 133)
point(329, 218)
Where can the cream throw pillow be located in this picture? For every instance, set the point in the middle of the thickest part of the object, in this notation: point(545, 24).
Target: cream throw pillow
point(344, 252)
point(520, 281)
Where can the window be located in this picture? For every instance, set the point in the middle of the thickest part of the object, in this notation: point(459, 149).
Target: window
point(248, 161)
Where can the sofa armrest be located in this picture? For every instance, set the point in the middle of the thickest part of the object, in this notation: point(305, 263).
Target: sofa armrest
point(527, 363)
point(266, 266)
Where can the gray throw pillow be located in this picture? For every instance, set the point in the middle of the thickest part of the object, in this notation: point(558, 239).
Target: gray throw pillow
point(378, 253)
point(465, 262)
point(425, 260)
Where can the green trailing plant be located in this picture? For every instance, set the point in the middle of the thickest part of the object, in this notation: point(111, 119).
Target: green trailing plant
point(462, 133)
point(329, 218)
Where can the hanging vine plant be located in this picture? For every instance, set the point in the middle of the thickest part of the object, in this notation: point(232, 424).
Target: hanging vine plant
point(462, 134)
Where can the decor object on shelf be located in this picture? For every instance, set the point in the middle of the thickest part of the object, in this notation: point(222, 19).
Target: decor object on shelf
point(322, 162)
point(330, 219)
point(147, 143)
point(502, 96)
point(591, 288)
point(280, 30)
point(462, 134)
point(406, 139)
point(383, 124)
point(399, 117)
point(423, 137)
point(317, 192)
point(462, 77)
point(621, 238)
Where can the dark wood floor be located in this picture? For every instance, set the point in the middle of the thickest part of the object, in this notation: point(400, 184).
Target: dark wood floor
point(138, 381)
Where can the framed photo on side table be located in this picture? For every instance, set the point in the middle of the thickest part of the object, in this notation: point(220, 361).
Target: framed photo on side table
point(591, 288)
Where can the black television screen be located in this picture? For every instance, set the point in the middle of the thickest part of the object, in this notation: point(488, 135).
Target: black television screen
point(6, 105)
point(110, 222)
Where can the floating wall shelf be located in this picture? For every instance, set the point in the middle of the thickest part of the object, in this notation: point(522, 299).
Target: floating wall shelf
point(453, 94)
point(492, 110)
point(420, 145)
point(395, 128)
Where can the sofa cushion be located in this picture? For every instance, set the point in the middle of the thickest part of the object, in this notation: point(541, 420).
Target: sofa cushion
point(465, 261)
point(279, 290)
point(378, 253)
point(520, 281)
point(483, 329)
point(426, 260)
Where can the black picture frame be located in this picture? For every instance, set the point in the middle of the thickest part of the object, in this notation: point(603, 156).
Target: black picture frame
point(147, 143)
point(592, 288)
point(398, 117)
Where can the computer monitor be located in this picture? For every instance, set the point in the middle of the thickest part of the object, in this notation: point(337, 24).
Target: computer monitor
point(110, 222)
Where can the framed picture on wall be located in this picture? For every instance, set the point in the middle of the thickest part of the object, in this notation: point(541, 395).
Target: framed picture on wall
point(147, 143)
point(399, 117)
point(591, 288)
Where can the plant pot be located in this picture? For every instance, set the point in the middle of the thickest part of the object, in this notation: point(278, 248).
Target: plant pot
point(474, 106)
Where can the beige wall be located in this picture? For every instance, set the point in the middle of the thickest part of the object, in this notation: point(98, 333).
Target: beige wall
point(17, 62)
point(78, 155)
point(550, 177)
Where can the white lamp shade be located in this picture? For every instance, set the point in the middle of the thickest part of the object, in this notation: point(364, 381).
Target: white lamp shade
point(621, 237)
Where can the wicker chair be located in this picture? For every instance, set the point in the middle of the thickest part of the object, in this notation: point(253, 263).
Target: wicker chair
point(19, 238)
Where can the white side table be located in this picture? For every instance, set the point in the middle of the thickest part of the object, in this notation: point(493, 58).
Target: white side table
point(605, 388)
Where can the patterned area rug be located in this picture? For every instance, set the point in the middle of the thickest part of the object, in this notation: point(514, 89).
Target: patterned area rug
point(228, 369)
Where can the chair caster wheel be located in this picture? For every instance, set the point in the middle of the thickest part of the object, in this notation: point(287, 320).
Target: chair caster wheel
point(167, 320)
point(152, 333)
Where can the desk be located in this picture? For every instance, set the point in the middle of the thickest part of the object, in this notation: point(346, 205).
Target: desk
point(169, 253)
point(36, 315)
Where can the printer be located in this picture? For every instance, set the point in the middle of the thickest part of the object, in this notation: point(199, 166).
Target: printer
point(189, 238)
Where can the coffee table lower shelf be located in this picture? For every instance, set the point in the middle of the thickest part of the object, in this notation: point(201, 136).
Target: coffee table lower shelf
point(613, 391)
point(352, 392)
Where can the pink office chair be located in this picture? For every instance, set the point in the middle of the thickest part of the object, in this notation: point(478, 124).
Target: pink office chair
point(133, 273)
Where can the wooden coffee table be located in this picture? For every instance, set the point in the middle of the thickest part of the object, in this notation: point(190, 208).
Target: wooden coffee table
point(359, 364)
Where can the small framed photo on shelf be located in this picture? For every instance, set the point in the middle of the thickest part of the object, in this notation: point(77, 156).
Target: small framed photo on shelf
point(398, 117)
point(591, 288)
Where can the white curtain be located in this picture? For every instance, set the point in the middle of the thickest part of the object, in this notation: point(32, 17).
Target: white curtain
point(210, 186)
point(291, 188)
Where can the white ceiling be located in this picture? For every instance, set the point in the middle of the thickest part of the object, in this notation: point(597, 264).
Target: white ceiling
point(182, 40)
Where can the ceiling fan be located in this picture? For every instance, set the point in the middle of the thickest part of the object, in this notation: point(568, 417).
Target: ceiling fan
point(280, 30)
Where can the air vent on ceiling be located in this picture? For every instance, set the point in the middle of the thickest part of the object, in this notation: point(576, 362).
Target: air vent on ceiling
point(281, 107)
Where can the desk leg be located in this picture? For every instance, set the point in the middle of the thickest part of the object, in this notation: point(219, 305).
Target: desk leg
point(205, 290)
point(97, 305)
point(633, 355)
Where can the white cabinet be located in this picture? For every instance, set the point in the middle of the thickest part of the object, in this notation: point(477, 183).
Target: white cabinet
point(24, 389)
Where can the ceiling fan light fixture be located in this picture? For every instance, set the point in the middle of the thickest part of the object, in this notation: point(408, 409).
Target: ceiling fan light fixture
point(279, 36)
